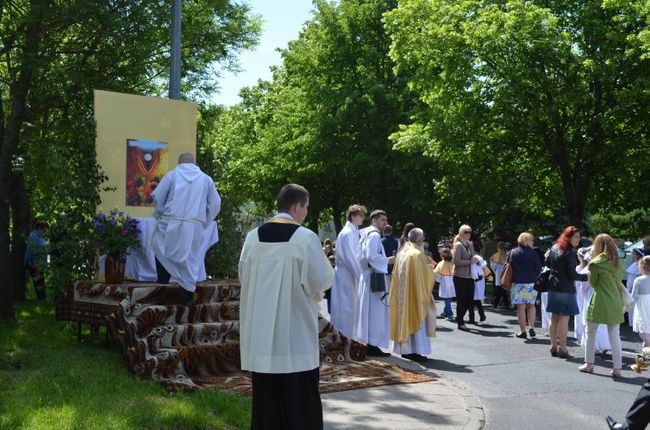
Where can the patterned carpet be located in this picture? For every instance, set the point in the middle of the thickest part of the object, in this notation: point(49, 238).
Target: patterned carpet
point(159, 340)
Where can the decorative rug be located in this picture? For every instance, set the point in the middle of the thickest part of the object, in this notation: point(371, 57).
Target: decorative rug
point(160, 340)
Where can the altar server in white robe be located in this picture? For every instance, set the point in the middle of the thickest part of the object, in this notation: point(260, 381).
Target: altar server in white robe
point(185, 203)
point(283, 273)
point(372, 320)
point(412, 309)
point(345, 289)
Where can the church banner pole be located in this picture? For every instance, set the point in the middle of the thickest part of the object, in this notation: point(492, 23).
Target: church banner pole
point(175, 68)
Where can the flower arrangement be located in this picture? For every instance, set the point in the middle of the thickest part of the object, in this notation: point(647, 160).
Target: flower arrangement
point(114, 233)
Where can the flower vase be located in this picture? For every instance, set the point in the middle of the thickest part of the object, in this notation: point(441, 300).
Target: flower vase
point(114, 268)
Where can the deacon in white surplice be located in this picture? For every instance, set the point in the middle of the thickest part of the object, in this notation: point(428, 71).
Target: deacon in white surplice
point(185, 203)
point(372, 320)
point(283, 273)
point(345, 289)
point(412, 309)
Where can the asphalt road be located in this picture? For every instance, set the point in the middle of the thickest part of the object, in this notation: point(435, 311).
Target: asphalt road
point(522, 387)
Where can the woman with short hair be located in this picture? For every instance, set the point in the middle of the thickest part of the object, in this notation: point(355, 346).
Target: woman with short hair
point(526, 267)
point(463, 256)
point(562, 261)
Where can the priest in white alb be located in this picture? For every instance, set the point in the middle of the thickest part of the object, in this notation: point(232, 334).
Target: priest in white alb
point(372, 318)
point(185, 203)
point(412, 309)
point(283, 273)
point(345, 291)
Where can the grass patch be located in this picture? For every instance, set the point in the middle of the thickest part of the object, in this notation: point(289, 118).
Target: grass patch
point(49, 380)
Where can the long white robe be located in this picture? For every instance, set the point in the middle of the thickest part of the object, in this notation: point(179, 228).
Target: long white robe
point(345, 289)
point(418, 343)
point(185, 203)
point(372, 321)
point(632, 273)
point(282, 284)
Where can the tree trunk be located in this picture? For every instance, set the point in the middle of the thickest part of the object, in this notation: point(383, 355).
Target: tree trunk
point(336, 213)
point(20, 224)
point(10, 136)
point(574, 191)
point(313, 221)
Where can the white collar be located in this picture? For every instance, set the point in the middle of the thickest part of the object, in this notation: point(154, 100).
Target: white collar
point(284, 215)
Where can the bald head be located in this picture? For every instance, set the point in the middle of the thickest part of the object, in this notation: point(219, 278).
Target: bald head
point(186, 157)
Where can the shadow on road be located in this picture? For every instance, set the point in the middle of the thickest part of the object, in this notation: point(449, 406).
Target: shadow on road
point(445, 365)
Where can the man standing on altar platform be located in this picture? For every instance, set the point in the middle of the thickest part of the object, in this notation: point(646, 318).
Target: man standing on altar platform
point(412, 310)
point(185, 203)
point(345, 289)
point(283, 273)
point(372, 320)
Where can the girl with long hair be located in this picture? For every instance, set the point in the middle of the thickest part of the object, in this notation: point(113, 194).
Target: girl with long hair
point(605, 304)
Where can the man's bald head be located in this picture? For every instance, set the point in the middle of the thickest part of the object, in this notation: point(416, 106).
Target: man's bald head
point(186, 157)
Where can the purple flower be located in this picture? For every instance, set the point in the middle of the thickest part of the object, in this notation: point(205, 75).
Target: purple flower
point(112, 223)
point(101, 217)
point(124, 233)
point(96, 224)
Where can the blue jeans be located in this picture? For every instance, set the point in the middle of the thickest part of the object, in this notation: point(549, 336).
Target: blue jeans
point(448, 312)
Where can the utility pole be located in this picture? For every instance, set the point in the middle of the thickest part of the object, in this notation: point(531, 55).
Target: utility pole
point(175, 68)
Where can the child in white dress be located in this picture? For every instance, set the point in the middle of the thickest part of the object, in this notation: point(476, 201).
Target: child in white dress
point(632, 272)
point(444, 273)
point(480, 271)
point(641, 295)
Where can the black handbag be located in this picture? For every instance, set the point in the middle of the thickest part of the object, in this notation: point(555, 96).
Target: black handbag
point(377, 282)
point(541, 283)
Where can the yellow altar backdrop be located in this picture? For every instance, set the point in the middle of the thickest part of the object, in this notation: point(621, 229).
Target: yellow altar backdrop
point(138, 140)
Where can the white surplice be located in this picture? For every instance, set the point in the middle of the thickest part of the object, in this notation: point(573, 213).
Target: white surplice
point(185, 203)
point(282, 284)
point(345, 291)
point(372, 322)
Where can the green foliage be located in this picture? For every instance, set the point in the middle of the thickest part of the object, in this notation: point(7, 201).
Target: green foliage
point(52, 381)
point(542, 99)
point(632, 225)
point(117, 46)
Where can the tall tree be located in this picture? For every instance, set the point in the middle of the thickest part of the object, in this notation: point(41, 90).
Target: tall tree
point(54, 55)
point(552, 93)
point(325, 120)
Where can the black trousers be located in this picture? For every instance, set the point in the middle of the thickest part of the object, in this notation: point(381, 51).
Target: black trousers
point(638, 416)
point(287, 401)
point(500, 293)
point(464, 288)
point(187, 297)
point(478, 304)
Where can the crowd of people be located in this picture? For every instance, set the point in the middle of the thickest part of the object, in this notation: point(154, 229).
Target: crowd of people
point(383, 289)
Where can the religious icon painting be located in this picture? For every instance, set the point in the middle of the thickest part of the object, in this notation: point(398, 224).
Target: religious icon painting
point(146, 164)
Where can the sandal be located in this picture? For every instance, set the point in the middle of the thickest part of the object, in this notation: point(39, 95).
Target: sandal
point(587, 368)
point(553, 352)
point(563, 353)
point(616, 374)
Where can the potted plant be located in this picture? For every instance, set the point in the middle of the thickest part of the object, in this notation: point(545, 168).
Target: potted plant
point(113, 234)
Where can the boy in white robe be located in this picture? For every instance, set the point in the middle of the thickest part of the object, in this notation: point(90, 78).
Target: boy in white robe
point(345, 291)
point(283, 273)
point(372, 319)
point(185, 203)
